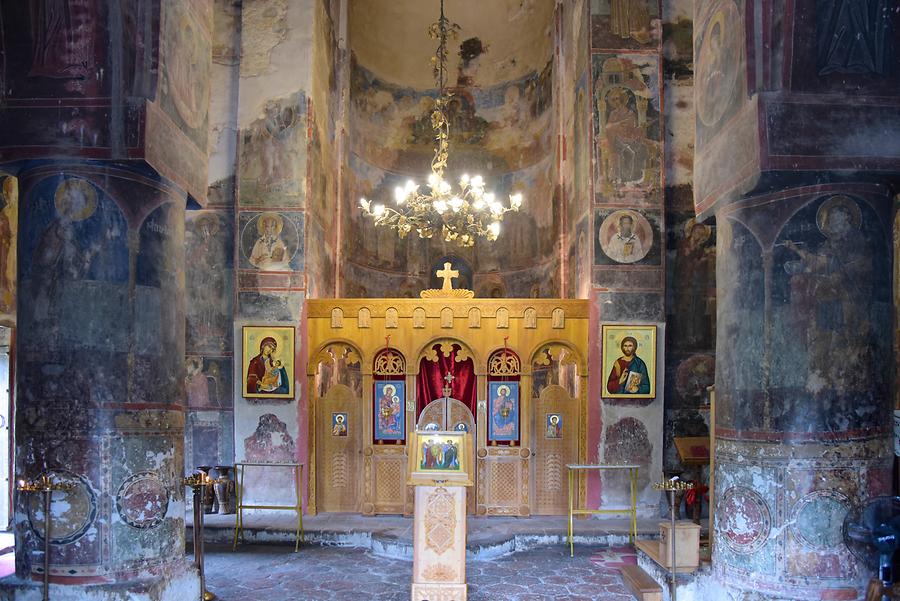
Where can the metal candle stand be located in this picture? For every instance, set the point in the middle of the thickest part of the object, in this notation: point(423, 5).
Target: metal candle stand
point(47, 485)
point(671, 487)
point(198, 483)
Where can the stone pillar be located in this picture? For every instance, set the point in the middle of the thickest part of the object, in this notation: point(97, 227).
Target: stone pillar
point(803, 377)
point(100, 382)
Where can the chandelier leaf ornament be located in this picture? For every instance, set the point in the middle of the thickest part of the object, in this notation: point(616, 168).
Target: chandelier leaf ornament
point(462, 215)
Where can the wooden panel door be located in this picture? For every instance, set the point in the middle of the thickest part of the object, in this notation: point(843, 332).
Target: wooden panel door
point(339, 445)
point(555, 434)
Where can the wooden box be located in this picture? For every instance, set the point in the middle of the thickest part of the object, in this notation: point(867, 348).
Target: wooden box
point(687, 544)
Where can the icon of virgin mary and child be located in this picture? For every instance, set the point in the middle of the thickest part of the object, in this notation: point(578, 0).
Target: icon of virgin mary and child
point(266, 374)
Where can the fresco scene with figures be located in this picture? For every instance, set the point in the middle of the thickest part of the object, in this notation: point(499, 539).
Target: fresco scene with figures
point(448, 300)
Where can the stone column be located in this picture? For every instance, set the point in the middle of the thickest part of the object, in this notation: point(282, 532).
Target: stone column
point(803, 376)
point(100, 383)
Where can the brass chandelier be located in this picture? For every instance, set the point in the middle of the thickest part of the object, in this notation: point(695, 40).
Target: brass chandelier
point(462, 215)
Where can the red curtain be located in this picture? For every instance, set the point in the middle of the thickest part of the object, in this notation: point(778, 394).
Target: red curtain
point(430, 381)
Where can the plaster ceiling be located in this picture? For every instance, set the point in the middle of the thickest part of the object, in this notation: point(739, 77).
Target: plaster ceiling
point(390, 39)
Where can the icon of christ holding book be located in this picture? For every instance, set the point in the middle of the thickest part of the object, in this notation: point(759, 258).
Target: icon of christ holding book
point(629, 373)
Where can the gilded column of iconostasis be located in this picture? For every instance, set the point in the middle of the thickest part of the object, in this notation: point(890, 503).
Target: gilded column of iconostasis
point(502, 126)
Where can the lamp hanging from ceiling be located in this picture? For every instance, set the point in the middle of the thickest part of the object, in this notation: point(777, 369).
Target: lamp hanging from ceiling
point(462, 215)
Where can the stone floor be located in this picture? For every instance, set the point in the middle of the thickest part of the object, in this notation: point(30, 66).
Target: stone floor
point(349, 574)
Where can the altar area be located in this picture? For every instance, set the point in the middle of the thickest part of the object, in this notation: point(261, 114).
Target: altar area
point(531, 353)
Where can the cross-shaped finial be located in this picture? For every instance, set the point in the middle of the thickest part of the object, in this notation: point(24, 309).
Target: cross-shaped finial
point(448, 377)
point(447, 274)
point(387, 341)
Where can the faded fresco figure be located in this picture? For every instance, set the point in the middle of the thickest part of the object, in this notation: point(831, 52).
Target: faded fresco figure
point(59, 254)
point(274, 146)
point(630, 19)
point(695, 289)
point(205, 269)
point(829, 288)
point(625, 246)
point(625, 139)
point(269, 251)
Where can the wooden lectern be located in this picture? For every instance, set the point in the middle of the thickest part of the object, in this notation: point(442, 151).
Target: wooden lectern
point(440, 467)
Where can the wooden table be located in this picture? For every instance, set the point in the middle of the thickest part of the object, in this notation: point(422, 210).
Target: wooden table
point(573, 511)
point(297, 469)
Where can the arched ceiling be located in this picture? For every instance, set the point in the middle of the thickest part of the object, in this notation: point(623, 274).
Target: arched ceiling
point(390, 39)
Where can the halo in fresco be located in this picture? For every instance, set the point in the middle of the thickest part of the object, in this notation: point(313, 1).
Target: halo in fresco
point(76, 199)
point(621, 244)
point(838, 202)
point(718, 62)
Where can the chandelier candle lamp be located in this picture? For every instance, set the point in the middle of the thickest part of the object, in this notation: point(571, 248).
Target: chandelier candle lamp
point(460, 215)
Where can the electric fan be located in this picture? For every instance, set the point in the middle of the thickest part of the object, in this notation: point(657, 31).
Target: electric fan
point(872, 533)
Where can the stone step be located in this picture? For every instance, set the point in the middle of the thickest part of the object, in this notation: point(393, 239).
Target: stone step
point(641, 584)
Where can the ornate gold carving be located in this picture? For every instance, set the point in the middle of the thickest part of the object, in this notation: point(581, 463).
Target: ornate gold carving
point(504, 364)
point(439, 573)
point(524, 452)
point(482, 452)
point(504, 483)
point(337, 318)
point(339, 474)
point(474, 317)
point(391, 318)
point(446, 317)
point(502, 317)
point(459, 293)
point(389, 363)
point(418, 317)
point(389, 482)
point(368, 451)
point(530, 318)
point(439, 592)
point(364, 318)
point(558, 318)
point(440, 521)
point(552, 473)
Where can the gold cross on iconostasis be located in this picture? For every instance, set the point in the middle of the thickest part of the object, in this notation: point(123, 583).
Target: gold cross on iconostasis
point(447, 274)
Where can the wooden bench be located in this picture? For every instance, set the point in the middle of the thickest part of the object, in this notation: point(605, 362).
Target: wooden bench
point(641, 584)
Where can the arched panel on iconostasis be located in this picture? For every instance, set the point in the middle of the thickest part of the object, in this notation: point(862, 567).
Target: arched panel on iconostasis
point(384, 456)
point(503, 460)
point(558, 420)
point(338, 419)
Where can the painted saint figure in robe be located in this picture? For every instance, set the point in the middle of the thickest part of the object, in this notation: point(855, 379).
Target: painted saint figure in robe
point(629, 373)
point(269, 251)
point(266, 373)
point(389, 412)
point(504, 411)
point(630, 19)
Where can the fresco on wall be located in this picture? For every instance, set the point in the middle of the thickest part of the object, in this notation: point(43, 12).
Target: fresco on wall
point(740, 300)
point(626, 442)
point(624, 24)
point(208, 382)
point(719, 62)
point(832, 297)
point(626, 237)
point(209, 257)
point(271, 241)
point(186, 61)
point(692, 313)
point(273, 155)
point(270, 305)
point(9, 223)
point(627, 127)
point(506, 125)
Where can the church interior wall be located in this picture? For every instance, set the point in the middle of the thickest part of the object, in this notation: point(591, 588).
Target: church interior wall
point(501, 127)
